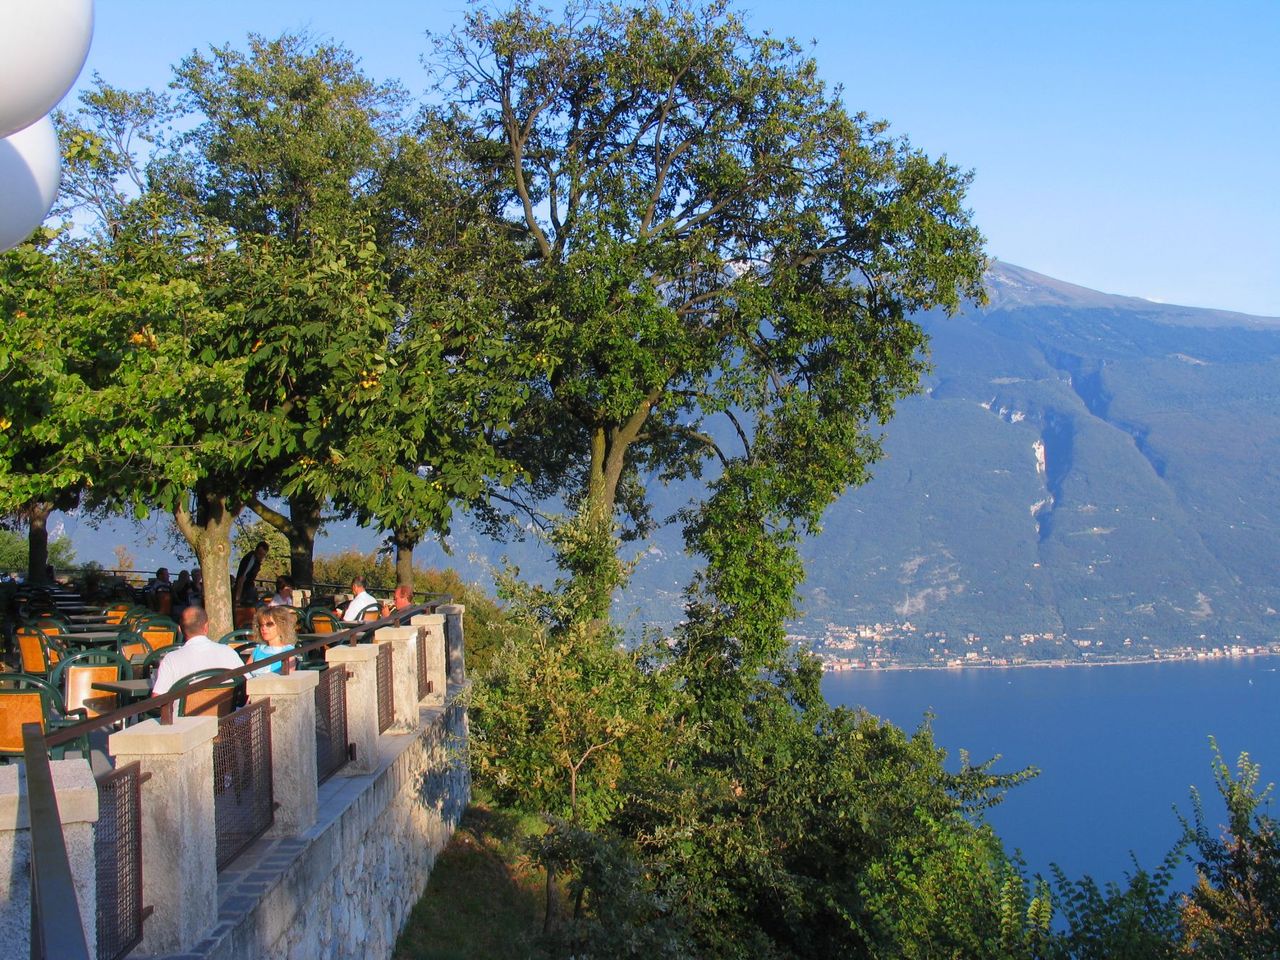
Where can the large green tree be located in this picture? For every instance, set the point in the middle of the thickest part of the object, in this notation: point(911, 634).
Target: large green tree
point(289, 148)
point(721, 261)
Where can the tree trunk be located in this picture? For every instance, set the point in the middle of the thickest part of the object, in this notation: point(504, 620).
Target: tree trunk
point(209, 535)
point(38, 541)
point(304, 523)
point(554, 908)
point(404, 541)
point(300, 529)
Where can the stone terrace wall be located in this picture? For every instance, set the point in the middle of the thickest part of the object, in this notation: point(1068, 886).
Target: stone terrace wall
point(345, 888)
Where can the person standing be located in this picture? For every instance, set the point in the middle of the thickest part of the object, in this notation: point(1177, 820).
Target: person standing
point(245, 593)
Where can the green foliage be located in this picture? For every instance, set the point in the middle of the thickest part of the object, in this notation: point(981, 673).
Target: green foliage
point(13, 552)
point(1234, 908)
point(563, 712)
point(1137, 920)
point(821, 832)
point(615, 909)
point(558, 719)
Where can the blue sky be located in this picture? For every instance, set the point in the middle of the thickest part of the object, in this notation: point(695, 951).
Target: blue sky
point(1126, 146)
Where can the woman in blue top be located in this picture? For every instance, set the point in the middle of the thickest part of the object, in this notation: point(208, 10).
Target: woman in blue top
point(274, 628)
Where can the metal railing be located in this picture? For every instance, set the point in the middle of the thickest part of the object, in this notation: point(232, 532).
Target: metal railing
point(386, 692)
point(332, 748)
point(243, 805)
point(56, 929)
point(117, 848)
point(424, 664)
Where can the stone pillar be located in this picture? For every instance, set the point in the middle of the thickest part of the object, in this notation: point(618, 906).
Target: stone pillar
point(453, 636)
point(78, 810)
point(404, 673)
point(437, 657)
point(293, 747)
point(362, 703)
point(179, 842)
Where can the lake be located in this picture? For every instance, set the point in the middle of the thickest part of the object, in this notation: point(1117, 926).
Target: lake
point(1118, 746)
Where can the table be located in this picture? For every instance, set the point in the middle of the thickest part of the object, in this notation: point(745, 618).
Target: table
point(95, 638)
point(87, 617)
point(132, 689)
point(99, 626)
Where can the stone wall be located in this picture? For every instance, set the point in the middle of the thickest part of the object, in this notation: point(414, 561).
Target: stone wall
point(345, 888)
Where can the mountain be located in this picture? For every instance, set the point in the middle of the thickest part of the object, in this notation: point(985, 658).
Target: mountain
point(1081, 464)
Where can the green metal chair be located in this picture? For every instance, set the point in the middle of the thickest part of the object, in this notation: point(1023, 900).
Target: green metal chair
point(216, 701)
point(152, 660)
point(27, 699)
point(76, 674)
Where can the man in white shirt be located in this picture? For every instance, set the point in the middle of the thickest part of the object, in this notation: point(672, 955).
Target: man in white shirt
point(360, 601)
point(198, 653)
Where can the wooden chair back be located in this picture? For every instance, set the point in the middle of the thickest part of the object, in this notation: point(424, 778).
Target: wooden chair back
point(32, 650)
point(18, 706)
point(115, 613)
point(159, 634)
point(78, 690)
point(323, 622)
point(213, 702)
point(132, 645)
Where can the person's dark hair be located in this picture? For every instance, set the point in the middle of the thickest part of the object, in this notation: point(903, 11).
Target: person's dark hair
point(282, 582)
point(262, 545)
point(357, 581)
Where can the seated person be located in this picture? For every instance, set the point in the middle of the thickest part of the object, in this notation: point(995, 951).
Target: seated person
point(198, 653)
point(403, 597)
point(182, 590)
point(159, 582)
point(361, 600)
point(274, 629)
point(284, 593)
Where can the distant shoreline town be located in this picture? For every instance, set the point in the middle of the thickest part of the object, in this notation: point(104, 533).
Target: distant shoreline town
point(900, 646)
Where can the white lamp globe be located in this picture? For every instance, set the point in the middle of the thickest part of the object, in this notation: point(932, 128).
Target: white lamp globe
point(30, 170)
point(43, 45)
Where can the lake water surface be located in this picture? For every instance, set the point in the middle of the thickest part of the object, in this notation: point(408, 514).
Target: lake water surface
point(1118, 746)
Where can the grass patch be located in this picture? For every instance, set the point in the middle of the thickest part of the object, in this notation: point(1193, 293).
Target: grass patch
point(483, 899)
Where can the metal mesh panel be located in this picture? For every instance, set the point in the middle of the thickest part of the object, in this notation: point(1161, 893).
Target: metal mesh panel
point(242, 801)
point(331, 722)
point(424, 682)
point(386, 693)
point(117, 846)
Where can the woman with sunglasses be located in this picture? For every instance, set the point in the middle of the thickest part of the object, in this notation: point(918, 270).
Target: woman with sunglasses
point(275, 632)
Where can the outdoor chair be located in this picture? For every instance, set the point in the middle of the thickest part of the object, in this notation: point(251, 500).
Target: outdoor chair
point(27, 699)
point(322, 621)
point(76, 675)
point(216, 701)
point(116, 613)
point(130, 645)
point(152, 660)
point(237, 637)
point(39, 651)
point(159, 633)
